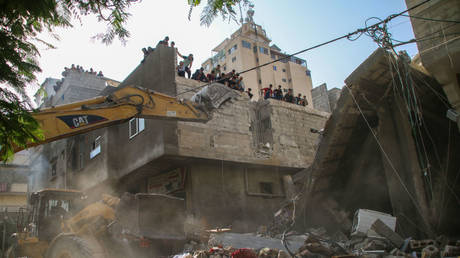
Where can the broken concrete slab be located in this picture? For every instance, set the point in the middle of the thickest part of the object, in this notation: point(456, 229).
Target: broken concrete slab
point(364, 219)
point(236, 240)
point(382, 229)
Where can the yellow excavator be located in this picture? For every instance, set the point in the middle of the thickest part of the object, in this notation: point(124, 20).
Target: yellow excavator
point(60, 224)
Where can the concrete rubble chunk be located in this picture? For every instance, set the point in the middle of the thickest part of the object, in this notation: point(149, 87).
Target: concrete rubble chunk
point(214, 95)
point(430, 251)
point(364, 219)
point(385, 231)
point(237, 240)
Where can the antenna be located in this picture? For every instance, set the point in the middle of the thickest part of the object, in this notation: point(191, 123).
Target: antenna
point(241, 13)
point(250, 14)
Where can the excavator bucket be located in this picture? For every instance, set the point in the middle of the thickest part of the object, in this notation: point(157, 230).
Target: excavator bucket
point(155, 216)
point(213, 96)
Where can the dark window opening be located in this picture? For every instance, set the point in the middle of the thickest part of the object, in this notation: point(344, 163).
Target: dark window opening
point(266, 188)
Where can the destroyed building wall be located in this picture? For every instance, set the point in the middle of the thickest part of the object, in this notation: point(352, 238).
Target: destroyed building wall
point(320, 98)
point(436, 30)
point(231, 194)
point(333, 95)
point(371, 155)
point(269, 132)
point(323, 99)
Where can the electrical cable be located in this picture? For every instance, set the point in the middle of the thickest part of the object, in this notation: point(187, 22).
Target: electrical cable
point(429, 19)
point(426, 37)
point(347, 36)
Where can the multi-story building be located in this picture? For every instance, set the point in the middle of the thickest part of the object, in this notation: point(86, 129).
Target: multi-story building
point(249, 47)
point(229, 171)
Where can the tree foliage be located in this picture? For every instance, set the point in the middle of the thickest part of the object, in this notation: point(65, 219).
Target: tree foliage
point(21, 21)
point(214, 8)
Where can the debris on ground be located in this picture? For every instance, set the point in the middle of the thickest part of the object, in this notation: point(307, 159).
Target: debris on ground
point(380, 240)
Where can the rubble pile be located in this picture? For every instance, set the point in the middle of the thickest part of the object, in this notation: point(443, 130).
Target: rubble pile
point(323, 245)
point(372, 235)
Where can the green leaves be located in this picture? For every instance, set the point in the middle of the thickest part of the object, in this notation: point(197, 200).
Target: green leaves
point(214, 8)
point(17, 126)
point(20, 23)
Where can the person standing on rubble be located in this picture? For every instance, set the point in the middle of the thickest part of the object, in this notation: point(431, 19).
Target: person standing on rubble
point(187, 65)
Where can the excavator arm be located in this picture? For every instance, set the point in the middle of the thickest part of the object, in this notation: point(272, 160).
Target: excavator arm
point(128, 102)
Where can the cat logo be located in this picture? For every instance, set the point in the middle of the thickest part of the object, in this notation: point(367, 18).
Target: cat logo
point(80, 121)
point(77, 121)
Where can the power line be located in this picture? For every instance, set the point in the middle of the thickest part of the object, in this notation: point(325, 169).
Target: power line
point(429, 19)
point(348, 36)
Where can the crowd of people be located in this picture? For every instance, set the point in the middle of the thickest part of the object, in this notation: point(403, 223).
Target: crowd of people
point(80, 69)
point(269, 92)
point(230, 79)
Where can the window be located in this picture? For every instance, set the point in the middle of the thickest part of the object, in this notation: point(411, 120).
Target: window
point(260, 81)
point(308, 72)
point(263, 50)
point(136, 125)
point(274, 68)
point(284, 70)
point(222, 58)
point(284, 80)
point(80, 160)
point(266, 188)
point(290, 80)
point(246, 44)
point(254, 49)
point(257, 59)
point(95, 148)
point(231, 50)
point(53, 171)
point(233, 59)
point(273, 56)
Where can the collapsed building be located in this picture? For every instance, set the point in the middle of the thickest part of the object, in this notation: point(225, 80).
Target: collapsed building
point(388, 146)
point(229, 170)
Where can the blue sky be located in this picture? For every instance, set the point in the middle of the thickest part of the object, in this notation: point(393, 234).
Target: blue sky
point(292, 25)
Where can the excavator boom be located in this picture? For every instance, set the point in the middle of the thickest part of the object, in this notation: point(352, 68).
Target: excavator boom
point(128, 102)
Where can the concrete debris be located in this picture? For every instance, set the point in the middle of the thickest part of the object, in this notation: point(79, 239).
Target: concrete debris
point(252, 241)
point(430, 251)
point(213, 96)
point(364, 219)
point(384, 242)
point(452, 251)
point(382, 229)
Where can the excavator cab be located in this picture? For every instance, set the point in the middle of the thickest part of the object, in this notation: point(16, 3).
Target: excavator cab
point(49, 207)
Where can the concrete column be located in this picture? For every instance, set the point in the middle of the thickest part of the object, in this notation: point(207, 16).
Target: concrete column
point(402, 171)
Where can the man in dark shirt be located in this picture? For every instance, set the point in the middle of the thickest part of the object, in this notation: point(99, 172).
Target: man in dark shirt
point(279, 93)
point(289, 97)
point(298, 99)
point(199, 75)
